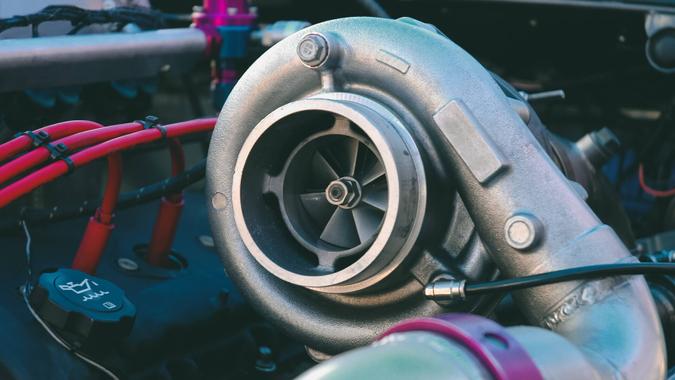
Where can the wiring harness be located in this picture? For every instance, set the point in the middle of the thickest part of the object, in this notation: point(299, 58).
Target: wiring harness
point(70, 145)
point(79, 18)
point(149, 193)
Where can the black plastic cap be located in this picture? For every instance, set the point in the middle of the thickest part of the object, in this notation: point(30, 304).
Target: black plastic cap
point(87, 310)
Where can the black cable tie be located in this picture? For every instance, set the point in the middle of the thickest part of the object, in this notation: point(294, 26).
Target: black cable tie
point(69, 162)
point(150, 122)
point(38, 138)
point(59, 152)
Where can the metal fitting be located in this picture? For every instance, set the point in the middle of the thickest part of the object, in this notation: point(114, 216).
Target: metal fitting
point(544, 95)
point(445, 290)
point(522, 231)
point(598, 146)
point(344, 192)
point(313, 50)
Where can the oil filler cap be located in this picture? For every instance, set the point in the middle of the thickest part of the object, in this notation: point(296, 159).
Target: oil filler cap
point(86, 310)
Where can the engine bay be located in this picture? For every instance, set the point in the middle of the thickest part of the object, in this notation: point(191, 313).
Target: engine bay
point(282, 189)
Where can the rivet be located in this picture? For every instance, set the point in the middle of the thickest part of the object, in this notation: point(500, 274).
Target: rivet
point(219, 201)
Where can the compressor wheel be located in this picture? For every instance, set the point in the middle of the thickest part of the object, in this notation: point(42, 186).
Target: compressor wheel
point(334, 193)
point(329, 193)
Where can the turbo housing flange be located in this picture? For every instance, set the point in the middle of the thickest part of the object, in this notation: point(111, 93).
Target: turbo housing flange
point(340, 187)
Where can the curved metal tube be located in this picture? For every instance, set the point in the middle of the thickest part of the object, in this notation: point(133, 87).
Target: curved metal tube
point(502, 172)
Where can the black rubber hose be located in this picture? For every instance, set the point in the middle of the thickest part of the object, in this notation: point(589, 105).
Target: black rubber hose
point(126, 200)
point(587, 272)
point(374, 8)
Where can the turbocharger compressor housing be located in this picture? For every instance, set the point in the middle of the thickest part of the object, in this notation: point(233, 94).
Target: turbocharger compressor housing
point(331, 200)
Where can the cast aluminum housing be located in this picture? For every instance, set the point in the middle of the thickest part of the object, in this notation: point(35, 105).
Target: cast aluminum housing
point(529, 216)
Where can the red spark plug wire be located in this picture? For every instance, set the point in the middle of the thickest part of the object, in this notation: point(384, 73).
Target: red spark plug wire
point(55, 131)
point(100, 225)
point(171, 206)
point(651, 191)
point(73, 142)
point(52, 171)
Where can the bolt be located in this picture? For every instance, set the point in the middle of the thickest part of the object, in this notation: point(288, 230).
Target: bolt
point(313, 50)
point(522, 231)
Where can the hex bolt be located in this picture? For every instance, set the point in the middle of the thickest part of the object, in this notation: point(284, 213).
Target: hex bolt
point(313, 50)
point(522, 231)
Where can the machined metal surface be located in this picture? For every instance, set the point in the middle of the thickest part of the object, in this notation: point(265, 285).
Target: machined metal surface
point(353, 179)
point(404, 68)
point(468, 138)
point(445, 290)
point(72, 60)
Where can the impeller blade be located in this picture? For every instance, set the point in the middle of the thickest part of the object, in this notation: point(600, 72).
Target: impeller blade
point(376, 197)
point(322, 171)
point(367, 220)
point(317, 207)
point(340, 229)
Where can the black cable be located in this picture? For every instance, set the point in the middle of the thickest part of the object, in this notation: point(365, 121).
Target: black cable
point(587, 272)
point(145, 18)
point(193, 97)
point(374, 8)
point(126, 200)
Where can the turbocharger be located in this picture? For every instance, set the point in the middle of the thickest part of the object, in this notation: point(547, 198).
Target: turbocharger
point(361, 160)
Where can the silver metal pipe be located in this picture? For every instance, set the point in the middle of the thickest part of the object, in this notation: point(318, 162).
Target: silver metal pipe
point(73, 60)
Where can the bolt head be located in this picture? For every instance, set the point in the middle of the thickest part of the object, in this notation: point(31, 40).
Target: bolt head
point(522, 231)
point(313, 50)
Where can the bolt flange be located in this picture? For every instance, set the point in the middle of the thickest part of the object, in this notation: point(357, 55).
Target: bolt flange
point(313, 50)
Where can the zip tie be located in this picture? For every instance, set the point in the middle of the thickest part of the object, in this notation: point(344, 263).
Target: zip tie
point(150, 122)
point(60, 152)
point(38, 138)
